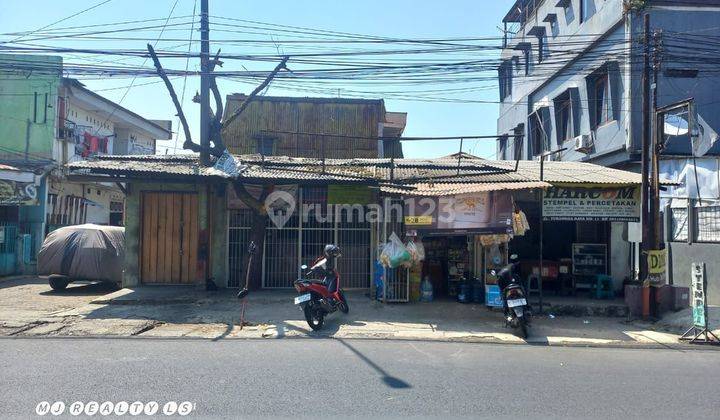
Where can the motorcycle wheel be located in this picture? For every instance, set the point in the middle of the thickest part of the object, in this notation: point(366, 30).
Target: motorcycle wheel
point(343, 305)
point(523, 327)
point(314, 316)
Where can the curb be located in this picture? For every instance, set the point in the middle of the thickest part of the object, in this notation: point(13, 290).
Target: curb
point(469, 340)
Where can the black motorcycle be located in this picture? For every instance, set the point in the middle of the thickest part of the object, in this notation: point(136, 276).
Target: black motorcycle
point(516, 309)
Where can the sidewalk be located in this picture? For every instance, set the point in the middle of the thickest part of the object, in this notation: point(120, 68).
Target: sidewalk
point(183, 311)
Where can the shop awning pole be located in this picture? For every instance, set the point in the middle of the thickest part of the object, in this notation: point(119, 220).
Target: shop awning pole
point(542, 176)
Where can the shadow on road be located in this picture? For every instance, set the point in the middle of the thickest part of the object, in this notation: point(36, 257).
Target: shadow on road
point(390, 381)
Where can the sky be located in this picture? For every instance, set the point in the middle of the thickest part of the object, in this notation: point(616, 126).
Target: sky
point(389, 18)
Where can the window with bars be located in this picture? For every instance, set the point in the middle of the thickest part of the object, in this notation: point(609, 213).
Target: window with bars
point(679, 222)
point(707, 224)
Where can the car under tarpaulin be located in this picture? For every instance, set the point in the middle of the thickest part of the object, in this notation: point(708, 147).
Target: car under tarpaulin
point(84, 252)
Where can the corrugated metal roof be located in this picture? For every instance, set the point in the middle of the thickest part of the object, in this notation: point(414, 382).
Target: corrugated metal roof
point(443, 174)
point(433, 190)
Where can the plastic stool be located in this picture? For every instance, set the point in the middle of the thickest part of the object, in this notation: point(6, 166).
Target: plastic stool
point(604, 287)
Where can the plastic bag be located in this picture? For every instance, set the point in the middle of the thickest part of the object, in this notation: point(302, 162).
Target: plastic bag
point(394, 253)
point(416, 250)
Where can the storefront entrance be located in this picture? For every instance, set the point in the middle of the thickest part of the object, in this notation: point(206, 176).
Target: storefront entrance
point(300, 240)
point(169, 237)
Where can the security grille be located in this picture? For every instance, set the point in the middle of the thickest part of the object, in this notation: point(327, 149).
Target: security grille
point(238, 239)
point(397, 280)
point(300, 241)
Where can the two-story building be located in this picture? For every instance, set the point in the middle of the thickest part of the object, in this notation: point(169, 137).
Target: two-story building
point(47, 121)
point(570, 77)
point(90, 125)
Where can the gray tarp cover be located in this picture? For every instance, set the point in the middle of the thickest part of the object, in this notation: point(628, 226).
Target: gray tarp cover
point(84, 252)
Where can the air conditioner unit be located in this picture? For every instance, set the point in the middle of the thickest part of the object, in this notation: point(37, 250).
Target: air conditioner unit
point(584, 143)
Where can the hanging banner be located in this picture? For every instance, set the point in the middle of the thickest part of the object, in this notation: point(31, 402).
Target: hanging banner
point(349, 194)
point(657, 267)
point(603, 204)
point(485, 212)
point(16, 193)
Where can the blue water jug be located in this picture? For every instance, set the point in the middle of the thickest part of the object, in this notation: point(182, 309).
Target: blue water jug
point(426, 291)
point(464, 293)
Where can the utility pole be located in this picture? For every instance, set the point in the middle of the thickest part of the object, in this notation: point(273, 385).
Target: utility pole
point(656, 142)
point(645, 170)
point(650, 193)
point(204, 83)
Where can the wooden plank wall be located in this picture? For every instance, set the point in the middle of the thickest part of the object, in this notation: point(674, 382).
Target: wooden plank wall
point(299, 115)
point(168, 247)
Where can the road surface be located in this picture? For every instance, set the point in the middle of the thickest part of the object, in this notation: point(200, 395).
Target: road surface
point(331, 378)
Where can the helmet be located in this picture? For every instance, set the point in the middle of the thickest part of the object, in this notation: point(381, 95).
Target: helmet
point(332, 250)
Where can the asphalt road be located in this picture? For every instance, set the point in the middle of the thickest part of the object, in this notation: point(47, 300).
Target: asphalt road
point(332, 378)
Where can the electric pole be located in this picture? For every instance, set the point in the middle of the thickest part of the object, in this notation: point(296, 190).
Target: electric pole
point(645, 155)
point(204, 83)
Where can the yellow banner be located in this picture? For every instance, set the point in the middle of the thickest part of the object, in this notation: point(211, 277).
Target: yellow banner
point(657, 261)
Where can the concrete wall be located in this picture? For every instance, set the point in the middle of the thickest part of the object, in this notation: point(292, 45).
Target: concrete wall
point(682, 255)
point(212, 215)
point(27, 124)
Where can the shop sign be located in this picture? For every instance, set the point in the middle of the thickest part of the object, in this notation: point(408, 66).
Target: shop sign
point(699, 298)
point(17, 193)
point(485, 212)
point(657, 267)
point(349, 194)
point(617, 204)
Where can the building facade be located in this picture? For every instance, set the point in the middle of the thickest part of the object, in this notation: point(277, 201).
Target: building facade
point(89, 126)
point(47, 121)
point(570, 77)
point(313, 127)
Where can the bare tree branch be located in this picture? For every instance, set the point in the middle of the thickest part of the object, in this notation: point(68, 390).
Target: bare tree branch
point(257, 90)
point(188, 144)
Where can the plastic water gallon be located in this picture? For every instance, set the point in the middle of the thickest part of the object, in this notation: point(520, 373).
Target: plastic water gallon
point(464, 293)
point(426, 290)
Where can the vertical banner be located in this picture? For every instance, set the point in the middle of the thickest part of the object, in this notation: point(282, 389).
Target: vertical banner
point(698, 297)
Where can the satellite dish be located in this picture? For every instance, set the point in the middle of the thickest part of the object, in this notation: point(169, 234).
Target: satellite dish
point(675, 125)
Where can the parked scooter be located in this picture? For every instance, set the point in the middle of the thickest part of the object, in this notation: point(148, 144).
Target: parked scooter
point(323, 295)
point(516, 309)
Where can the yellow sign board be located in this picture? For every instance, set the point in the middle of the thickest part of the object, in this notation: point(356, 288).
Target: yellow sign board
point(657, 267)
point(418, 220)
point(657, 261)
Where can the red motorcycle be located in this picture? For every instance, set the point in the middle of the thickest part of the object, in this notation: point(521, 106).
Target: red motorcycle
point(321, 296)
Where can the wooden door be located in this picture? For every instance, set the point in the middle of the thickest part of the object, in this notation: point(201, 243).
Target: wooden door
point(169, 240)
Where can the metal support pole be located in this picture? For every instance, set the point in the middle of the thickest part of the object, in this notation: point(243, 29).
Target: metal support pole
point(540, 227)
point(204, 83)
